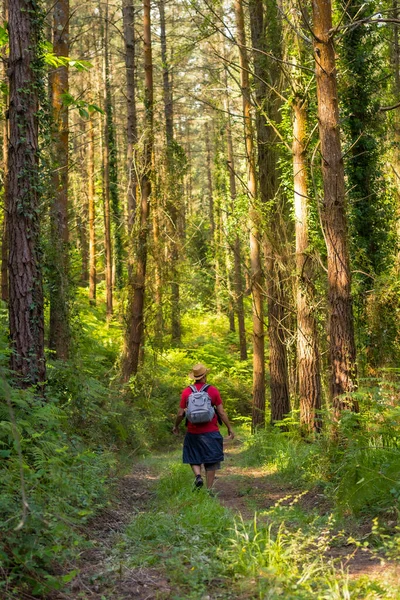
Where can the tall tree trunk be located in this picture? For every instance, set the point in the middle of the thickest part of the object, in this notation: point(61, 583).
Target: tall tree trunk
point(217, 246)
point(25, 279)
point(135, 326)
point(237, 253)
point(92, 215)
point(59, 337)
point(4, 241)
point(157, 255)
point(229, 272)
point(258, 416)
point(307, 340)
point(173, 196)
point(111, 162)
point(273, 240)
point(108, 250)
point(209, 182)
point(128, 15)
point(107, 231)
point(396, 150)
point(342, 351)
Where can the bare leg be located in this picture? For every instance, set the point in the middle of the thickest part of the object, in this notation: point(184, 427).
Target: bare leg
point(210, 476)
point(196, 469)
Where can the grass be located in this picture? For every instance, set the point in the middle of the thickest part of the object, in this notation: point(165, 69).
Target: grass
point(207, 551)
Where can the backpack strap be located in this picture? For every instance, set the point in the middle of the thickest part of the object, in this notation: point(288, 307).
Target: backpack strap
point(193, 388)
point(205, 387)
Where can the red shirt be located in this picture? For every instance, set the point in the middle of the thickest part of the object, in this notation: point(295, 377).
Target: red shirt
point(215, 401)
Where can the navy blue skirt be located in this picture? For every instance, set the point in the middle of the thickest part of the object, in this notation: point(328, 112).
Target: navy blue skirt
point(203, 448)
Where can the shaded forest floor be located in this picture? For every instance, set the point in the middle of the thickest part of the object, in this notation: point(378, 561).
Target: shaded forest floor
point(106, 570)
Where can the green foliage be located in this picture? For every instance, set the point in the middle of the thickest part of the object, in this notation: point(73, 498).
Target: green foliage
point(3, 35)
point(55, 452)
point(287, 563)
point(56, 61)
point(84, 108)
point(57, 478)
point(357, 466)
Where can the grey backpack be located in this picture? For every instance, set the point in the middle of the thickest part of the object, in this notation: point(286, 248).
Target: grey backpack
point(199, 408)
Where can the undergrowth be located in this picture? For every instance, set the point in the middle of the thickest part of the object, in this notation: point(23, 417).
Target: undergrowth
point(206, 551)
point(56, 457)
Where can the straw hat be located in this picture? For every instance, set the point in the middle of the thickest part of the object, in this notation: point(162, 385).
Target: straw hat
point(198, 371)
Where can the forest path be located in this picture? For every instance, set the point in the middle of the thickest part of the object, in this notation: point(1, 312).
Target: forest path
point(247, 491)
point(104, 575)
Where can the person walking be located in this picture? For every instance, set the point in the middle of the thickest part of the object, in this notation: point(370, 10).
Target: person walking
point(203, 445)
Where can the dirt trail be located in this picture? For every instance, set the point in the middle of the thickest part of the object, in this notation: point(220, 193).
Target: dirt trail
point(242, 490)
point(99, 577)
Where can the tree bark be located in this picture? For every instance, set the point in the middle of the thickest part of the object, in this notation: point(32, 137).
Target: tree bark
point(273, 239)
point(157, 256)
point(258, 416)
point(4, 241)
point(25, 279)
point(111, 164)
point(396, 120)
point(59, 337)
point(92, 215)
point(135, 325)
point(309, 380)
point(128, 15)
point(173, 196)
point(209, 182)
point(342, 350)
point(238, 276)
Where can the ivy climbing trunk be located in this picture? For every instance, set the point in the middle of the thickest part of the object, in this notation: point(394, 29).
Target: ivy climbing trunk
point(274, 240)
point(26, 319)
point(135, 316)
point(59, 336)
point(128, 16)
point(173, 196)
point(309, 380)
point(342, 350)
point(258, 416)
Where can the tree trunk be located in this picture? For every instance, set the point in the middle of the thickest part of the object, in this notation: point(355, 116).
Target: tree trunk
point(111, 163)
point(396, 121)
point(273, 240)
point(107, 231)
point(157, 256)
point(209, 182)
point(92, 215)
point(217, 245)
point(128, 15)
point(238, 276)
point(4, 241)
point(173, 199)
point(307, 340)
point(59, 337)
point(25, 279)
point(342, 351)
point(258, 417)
point(135, 326)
